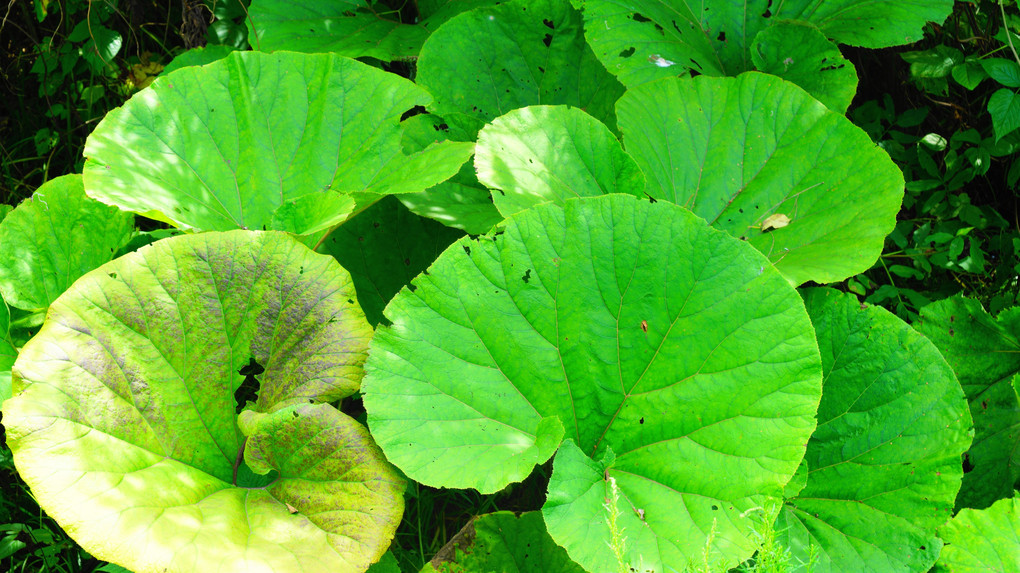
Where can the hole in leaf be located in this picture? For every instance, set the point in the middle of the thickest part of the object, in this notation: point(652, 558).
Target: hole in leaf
point(640, 18)
point(527, 276)
point(549, 24)
point(721, 37)
point(628, 52)
point(715, 508)
point(416, 110)
point(248, 391)
point(641, 421)
point(467, 249)
point(112, 275)
point(967, 466)
point(547, 40)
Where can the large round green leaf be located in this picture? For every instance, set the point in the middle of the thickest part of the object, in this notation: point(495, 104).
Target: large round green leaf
point(619, 324)
point(884, 465)
point(124, 417)
point(226, 145)
point(642, 40)
point(551, 153)
point(486, 62)
point(764, 161)
point(54, 237)
point(985, 354)
point(982, 540)
point(349, 28)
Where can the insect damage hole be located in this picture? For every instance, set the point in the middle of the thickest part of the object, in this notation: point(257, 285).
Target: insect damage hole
point(248, 391)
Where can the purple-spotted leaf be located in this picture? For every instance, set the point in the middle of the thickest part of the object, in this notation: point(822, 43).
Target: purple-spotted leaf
point(124, 421)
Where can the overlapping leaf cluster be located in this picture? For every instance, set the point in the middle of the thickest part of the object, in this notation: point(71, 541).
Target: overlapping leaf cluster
point(625, 304)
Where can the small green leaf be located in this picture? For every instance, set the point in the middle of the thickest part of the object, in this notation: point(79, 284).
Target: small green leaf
point(969, 74)
point(982, 540)
point(1004, 107)
point(1002, 70)
point(388, 564)
point(551, 153)
point(313, 214)
point(54, 237)
point(800, 53)
point(460, 202)
point(104, 44)
point(936, 63)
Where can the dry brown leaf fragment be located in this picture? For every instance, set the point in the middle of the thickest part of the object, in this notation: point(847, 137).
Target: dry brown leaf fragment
point(777, 221)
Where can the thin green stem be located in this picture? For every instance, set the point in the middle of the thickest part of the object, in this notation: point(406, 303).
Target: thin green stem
point(1009, 35)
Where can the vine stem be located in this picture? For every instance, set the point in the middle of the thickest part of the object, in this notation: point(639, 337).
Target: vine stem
point(1009, 35)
